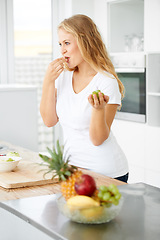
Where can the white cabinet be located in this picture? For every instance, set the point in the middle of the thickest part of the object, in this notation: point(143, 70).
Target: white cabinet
point(151, 25)
point(131, 138)
point(147, 21)
point(125, 24)
point(19, 115)
point(152, 156)
point(153, 89)
point(140, 143)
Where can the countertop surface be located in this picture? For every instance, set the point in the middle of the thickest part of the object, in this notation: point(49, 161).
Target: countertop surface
point(24, 192)
point(139, 217)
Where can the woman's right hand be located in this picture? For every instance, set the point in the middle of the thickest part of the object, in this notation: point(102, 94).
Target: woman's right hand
point(55, 68)
point(48, 100)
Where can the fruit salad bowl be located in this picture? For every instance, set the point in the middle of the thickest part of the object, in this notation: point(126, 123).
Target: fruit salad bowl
point(90, 215)
point(8, 164)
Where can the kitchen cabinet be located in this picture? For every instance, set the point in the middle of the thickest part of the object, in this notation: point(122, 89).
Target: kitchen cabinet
point(125, 24)
point(131, 138)
point(152, 156)
point(144, 13)
point(19, 115)
point(140, 143)
point(151, 26)
point(153, 89)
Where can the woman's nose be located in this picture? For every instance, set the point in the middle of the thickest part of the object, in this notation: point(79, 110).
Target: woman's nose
point(63, 50)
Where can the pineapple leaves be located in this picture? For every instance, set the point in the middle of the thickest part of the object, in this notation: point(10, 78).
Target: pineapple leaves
point(57, 163)
point(45, 158)
point(67, 173)
point(62, 177)
point(60, 152)
point(53, 154)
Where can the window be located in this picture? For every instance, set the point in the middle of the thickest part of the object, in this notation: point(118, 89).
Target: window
point(33, 51)
point(28, 34)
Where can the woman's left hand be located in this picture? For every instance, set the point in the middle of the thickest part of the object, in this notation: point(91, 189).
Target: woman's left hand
point(98, 103)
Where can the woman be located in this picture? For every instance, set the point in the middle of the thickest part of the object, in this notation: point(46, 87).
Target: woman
point(67, 97)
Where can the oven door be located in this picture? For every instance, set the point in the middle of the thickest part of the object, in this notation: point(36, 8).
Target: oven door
point(134, 103)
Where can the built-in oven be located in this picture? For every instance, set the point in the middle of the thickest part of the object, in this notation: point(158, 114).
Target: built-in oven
point(131, 70)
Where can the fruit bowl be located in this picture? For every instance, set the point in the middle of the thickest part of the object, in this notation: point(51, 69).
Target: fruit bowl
point(8, 164)
point(92, 215)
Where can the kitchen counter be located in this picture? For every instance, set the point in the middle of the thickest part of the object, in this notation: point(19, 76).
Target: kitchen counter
point(47, 189)
point(139, 217)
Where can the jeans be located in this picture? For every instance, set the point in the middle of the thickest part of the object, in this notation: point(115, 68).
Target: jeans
point(123, 178)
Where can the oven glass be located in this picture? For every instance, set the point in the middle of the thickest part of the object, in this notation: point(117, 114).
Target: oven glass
point(135, 93)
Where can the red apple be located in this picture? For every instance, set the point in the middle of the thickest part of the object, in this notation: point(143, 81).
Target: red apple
point(85, 185)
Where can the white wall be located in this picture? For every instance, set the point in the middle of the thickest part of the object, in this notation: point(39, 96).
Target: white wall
point(83, 7)
point(100, 17)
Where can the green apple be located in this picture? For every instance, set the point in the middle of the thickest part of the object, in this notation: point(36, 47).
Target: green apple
point(97, 93)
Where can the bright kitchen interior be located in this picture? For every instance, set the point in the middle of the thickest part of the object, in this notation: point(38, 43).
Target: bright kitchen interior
point(29, 43)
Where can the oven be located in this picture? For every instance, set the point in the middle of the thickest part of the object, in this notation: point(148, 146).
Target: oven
point(131, 70)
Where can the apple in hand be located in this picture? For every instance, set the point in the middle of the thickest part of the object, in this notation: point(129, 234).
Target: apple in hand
point(97, 94)
point(85, 185)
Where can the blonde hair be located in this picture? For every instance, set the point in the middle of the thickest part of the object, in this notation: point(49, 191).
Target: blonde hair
point(90, 44)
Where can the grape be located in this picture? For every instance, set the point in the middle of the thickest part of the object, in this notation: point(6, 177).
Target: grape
point(113, 189)
point(114, 201)
point(109, 195)
point(100, 195)
point(103, 188)
point(106, 204)
point(117, 196)
point(106, 196)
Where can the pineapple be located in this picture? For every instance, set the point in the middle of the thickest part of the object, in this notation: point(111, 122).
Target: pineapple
point(60, 167)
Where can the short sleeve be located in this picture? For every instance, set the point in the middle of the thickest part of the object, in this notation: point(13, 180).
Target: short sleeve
point(110, 87)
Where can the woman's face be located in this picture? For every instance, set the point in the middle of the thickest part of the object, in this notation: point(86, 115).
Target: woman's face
point(69, 48)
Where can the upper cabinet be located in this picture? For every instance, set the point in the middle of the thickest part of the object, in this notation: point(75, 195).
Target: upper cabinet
point(129, 25)
point(125, 26)
point(152, 25)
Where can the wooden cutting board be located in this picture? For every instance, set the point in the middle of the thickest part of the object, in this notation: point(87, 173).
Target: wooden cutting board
point(24, 175)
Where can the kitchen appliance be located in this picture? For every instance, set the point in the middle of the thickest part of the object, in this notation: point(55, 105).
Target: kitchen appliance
point(131, 70)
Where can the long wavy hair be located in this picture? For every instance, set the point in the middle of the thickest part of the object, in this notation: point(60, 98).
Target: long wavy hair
point(91, 45)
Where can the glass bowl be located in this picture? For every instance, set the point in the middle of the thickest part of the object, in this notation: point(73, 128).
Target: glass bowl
point(92, 215)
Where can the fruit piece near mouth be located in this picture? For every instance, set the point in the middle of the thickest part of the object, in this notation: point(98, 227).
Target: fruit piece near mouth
point(67, 59)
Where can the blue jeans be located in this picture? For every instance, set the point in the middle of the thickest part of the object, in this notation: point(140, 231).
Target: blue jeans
point(123, 178)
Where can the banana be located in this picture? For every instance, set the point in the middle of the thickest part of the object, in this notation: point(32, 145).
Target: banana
point(81, 201)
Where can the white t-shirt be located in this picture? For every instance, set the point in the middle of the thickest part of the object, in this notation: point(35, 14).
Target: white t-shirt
point(74, 113)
